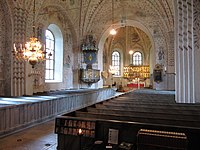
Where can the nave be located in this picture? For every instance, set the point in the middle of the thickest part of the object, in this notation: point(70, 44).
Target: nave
point(146, 109)
point(128, 115)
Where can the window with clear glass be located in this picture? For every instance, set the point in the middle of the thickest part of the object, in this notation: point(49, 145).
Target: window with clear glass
point(50, 62)
point(137, 58)
point(54, 45)
point(116, 62)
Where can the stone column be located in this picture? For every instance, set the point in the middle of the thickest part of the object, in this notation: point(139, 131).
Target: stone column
point(170, 65)
point(187, 72)
point(19, 36)
point(196, 55)
point(76, 69)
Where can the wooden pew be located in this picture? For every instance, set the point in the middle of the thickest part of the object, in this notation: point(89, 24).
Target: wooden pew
point(139, 113)
point(150, 111)
point(127, 130)
point(143, 119)
point(155, 106)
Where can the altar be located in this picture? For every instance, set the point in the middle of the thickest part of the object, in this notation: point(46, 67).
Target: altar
point(136, 85)
point(138, 76)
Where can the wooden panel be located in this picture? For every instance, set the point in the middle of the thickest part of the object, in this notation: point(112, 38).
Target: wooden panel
point(71, 126)
point(22, 115)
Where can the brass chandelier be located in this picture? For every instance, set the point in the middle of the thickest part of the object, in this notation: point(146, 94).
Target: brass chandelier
point(32, 51)
point(113, 31)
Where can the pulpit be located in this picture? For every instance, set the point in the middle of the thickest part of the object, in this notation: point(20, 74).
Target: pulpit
point(90, 75)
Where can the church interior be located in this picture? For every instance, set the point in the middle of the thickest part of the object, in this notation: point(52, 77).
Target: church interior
point(107, 74)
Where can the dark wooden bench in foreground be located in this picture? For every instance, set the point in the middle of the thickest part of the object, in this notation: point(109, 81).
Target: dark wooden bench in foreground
point(154, 139)
point(67, 128)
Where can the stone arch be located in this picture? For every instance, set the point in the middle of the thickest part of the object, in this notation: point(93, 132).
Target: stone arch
point(118, 25)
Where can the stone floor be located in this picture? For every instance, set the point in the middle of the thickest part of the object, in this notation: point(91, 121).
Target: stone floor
point(40, 137)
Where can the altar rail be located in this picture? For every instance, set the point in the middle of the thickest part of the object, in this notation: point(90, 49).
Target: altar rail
point(20, 112)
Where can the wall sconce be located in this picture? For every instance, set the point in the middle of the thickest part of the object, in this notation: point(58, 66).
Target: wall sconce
point(165, 71)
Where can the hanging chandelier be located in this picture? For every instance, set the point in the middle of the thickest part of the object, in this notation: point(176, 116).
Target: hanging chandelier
point(113, 31)
point(32, 51)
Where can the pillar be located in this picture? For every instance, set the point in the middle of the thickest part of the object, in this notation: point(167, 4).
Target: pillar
point(187, 51)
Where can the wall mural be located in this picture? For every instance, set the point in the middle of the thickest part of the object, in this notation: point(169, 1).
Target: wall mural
point(161, 57)
point(2, 36)
point(161, 54)
point(5, 53)
point(171, 50)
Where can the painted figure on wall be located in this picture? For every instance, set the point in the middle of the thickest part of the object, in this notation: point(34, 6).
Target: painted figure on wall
point(161, 54)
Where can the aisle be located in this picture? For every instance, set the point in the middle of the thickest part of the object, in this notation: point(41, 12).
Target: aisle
point(40, 137)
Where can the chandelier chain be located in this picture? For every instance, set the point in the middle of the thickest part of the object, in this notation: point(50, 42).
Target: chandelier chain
point(34, 26)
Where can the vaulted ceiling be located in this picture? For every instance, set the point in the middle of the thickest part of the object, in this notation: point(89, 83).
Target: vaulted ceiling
point(94, 16)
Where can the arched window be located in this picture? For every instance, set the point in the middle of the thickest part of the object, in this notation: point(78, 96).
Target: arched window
point(116, 62)
point(50, 48)
point(54, 44)
point(137, 58)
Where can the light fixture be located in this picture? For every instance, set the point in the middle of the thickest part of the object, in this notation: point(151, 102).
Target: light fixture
point(112, 69)
point(80, 132)
point(113, 31)
point(131, 52)
point(131, 57)
point(32, 51)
